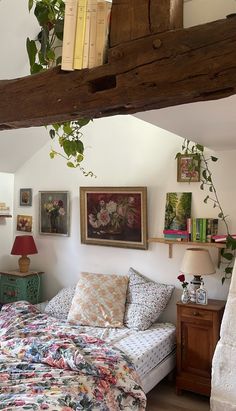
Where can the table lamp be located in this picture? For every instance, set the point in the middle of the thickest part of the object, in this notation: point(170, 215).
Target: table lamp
point(23, 245)
point(197, 262)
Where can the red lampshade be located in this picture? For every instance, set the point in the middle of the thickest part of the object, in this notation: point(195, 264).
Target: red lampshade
point(24, 245)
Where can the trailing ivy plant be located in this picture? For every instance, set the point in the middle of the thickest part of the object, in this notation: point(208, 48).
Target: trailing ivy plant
point(44, 52)
point(207, 183)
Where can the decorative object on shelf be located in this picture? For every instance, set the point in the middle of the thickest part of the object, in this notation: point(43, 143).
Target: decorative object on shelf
point(185, 294)
point(197, 262)
point(4, 210)
point(114, 216)
point(54, 212)
point(25, 197)
point(201, 295)
point(24, 223)
point(188, 168)
point(24, 245)
point(177, 212)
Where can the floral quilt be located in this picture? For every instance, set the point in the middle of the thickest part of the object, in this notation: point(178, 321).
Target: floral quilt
point(46, 364)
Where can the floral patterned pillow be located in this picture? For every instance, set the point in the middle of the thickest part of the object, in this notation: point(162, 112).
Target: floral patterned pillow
point(145, 301)
point(99, 300)
point(59, 306)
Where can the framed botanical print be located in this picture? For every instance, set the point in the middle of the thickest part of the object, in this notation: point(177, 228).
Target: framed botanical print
point(24, 223)
point(188, 168)
point(114, 216)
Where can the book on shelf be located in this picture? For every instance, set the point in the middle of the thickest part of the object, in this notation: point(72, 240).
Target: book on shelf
point(176, 236)
point(176, 232)
point(222, 238)
point(68, 44)
point(79, 34)
point(103, 24)
point(202, 229)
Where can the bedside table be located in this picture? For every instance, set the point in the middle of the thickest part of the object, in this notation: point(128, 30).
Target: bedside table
point(15, 286)
point(198, 330)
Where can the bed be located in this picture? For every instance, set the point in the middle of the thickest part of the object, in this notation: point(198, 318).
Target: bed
point(55, 364)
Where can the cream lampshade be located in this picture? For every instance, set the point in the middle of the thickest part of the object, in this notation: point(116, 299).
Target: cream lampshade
point(197, 262)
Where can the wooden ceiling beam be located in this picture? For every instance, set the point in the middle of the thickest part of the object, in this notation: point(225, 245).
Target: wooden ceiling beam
point(152, 72)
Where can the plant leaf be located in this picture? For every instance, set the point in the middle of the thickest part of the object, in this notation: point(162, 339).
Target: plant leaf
point(31, 50)
point(214, 158)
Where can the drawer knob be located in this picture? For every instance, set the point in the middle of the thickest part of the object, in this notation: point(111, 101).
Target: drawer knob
point(196, 313)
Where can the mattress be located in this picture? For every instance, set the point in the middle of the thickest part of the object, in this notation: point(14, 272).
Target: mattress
point(146, 349)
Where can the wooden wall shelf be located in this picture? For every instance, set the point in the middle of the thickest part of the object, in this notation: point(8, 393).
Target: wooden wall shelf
point(170, 243)
point(5, 215)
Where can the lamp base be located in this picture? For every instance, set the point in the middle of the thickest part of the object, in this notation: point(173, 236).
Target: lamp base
point(24, 263)
point(195, 284)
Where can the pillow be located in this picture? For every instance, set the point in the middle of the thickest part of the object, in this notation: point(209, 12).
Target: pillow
point(145, 301)
point(59, 305)
point(99, 300)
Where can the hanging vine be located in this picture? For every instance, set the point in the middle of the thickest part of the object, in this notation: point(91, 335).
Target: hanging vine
point(45, 52)
point(207, 183)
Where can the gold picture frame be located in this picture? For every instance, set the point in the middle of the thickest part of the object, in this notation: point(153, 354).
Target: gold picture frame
point(114, 216)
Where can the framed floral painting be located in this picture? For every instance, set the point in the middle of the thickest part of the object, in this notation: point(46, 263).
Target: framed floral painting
point(24, 223)
point(114, 216)
point(54, 212)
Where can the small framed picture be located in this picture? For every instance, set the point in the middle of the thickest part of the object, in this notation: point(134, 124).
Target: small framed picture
point(188, 168)
point(24, 223)
point(54, 213)
point(25, 196)
point(201, 296)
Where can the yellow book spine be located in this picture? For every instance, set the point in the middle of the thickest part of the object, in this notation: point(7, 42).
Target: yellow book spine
point(92, 34)
point(68, 43)
point(87, 33)
point(80, 34)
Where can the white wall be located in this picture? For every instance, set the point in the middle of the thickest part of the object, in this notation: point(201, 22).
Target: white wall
point(122, 151)
point(202, 11)
point(6, 224)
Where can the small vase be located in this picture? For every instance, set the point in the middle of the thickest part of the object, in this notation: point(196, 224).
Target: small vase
point(53, 223)
point(185, 296)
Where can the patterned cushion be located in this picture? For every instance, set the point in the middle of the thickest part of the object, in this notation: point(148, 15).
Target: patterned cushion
point(59, 305)
point(99, 300)
point(146, 300)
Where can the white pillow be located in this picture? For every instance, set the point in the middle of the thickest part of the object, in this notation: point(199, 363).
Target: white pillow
point(59, 306)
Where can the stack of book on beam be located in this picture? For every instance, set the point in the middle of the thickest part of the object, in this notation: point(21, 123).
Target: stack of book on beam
point(176, 235)
point(85, 34)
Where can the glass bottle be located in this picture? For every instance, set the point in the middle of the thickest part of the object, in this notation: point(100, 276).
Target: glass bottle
point(201, 294)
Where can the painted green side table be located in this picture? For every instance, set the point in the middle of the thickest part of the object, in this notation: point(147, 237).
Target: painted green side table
point(15, 286)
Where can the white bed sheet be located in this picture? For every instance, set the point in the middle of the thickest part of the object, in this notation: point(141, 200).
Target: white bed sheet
point(146, 349)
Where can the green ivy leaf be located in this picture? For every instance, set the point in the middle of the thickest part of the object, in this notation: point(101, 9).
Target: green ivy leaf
point(228, 256)
point(83, 121)
point(200, 147)
point(202, 186)
point(30, 4)
point(220, 215)
point(205, 199)
point(52, 133)
point(79, 146)
point(67, 147)
point(79, 158)
point(204, 174)
point(228, 270)
point(41, 12)
point(214, 158)
point(211, 189)
point(31, 50)
point(70, 164)
point(222, 280)
point(36, 68)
